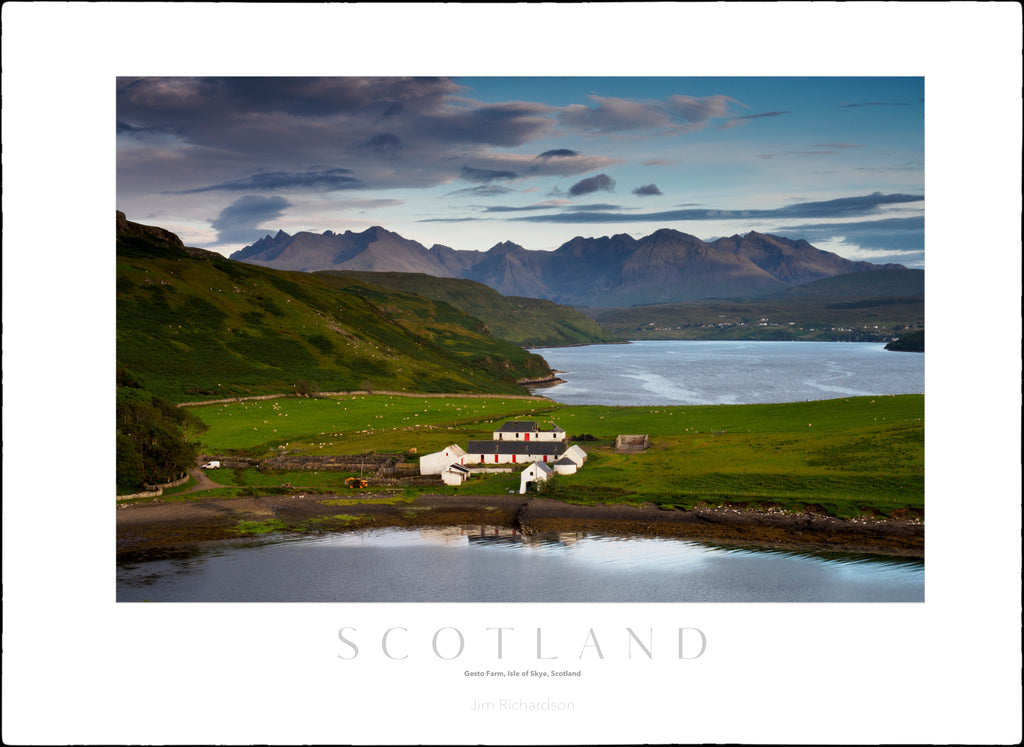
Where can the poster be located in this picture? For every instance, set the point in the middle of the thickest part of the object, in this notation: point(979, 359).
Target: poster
point(80, 668)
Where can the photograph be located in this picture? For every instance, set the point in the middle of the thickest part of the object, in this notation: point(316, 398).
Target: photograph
point(415, 336)
point(512, 369)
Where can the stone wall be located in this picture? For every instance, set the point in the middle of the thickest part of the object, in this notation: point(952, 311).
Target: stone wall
point(155, 491)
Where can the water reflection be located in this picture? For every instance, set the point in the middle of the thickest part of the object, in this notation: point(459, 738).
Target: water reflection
point(499, 564)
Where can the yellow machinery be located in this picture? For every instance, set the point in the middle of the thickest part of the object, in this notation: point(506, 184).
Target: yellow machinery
point(356, 482)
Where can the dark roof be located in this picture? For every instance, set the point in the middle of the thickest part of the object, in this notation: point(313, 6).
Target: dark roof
point(518, 426)
point(458, 468)
point(529, 448)
point(566, 460)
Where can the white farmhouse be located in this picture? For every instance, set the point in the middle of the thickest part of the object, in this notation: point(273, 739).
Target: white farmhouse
point(536, 472)
point(512, 452)
point(527, 430)
point(435, 464)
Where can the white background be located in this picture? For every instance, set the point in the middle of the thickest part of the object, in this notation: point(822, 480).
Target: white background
point(80, 668)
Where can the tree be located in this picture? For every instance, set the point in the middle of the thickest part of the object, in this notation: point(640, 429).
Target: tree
point(155, 439)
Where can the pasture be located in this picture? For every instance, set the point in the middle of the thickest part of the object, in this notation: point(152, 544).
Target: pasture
point(849, 456)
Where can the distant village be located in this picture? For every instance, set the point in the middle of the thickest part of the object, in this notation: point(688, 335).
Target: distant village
point(518, 442)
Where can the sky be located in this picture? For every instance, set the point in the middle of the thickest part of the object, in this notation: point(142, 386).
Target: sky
point(469, 162)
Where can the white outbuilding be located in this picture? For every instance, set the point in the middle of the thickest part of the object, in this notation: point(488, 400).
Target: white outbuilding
point(455, 474)
point(576, 454)
point(435, 464)
point(535, 473)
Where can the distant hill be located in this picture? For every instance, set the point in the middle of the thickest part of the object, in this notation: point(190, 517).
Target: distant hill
point(883, 283)
point(665, 267)
point(194, 325)
point(529, 322)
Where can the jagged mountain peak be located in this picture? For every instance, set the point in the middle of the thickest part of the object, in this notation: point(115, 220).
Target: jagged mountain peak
point(667, 265)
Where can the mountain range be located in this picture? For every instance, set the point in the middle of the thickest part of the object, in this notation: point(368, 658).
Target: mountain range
point(667, 266)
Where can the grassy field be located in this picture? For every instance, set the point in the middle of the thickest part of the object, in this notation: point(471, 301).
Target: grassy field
point(846, 456)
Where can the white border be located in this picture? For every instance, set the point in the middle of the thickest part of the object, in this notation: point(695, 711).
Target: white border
point(79, 668)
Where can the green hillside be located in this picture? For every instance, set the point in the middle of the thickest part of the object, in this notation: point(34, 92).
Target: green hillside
point(529, 322)
point(194, 325)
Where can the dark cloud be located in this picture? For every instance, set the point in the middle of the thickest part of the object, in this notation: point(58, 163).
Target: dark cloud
point(224, 125)
point(488, 190)
point(846, 207)
point(601, 182)
point(383, 144)
point(647, 189)
point(324, 180)
point(558, 153)
point(736, 121)
point(517, 209)
point(237, 223)
point(595, 206)
point(469, 174)
point(894, 234)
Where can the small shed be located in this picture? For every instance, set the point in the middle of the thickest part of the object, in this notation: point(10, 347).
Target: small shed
point(536, 472)
point(632, 443)
point(565, 466)
point(576, 454)
point(455, 474)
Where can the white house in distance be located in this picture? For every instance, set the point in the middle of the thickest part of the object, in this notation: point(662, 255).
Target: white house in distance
point(512, 452)
point(527, 430)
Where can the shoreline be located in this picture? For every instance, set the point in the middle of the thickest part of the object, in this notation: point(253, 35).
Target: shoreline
point(159, 529)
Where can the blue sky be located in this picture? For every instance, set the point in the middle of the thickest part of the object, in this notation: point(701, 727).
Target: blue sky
point(471, 162)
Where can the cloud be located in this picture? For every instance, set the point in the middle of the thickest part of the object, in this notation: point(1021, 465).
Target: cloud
point(601, 182)
point(324, 180)
point(845, 207)
point(469, 174)
point(488, 190)
point(657, 162)
point(886, 234)
point(237, 223)
point(647, 189)
point(546, 205)
point(216, 128)
point(737, 121)
point(558, 153)
point(681, 113)
point(383, 144)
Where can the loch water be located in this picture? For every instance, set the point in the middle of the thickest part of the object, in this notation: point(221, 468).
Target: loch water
point(497, 564)
point(718, 372)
